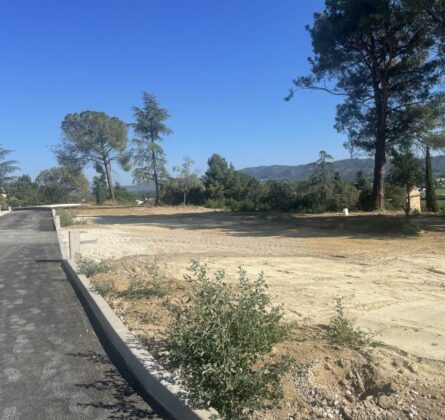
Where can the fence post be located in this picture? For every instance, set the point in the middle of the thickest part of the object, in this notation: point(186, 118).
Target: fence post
point(74, 240)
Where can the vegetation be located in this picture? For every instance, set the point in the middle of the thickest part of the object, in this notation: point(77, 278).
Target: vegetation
point(90, 268)
point(67, 217)
point(221, 339)
point(61, 184)
point(97, 139)
point(105, 288)
point(187, 180)
point(431, 200)
point(343, 332)
point(380, 57)
point(7, 167)
point(406, 172)
point(149, 156)
point(147, 282)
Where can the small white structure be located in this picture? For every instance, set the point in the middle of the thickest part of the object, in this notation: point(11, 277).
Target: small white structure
point(345, 212)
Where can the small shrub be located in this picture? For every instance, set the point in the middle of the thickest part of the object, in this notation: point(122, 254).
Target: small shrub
point(220, 342)
point(90, 268)
point(66, 217)
point(150, 282)
point(215, 204)
point(342, 331)
point(104, 287)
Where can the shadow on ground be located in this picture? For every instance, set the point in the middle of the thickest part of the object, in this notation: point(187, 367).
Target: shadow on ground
point(366, 225)
point(126, 404)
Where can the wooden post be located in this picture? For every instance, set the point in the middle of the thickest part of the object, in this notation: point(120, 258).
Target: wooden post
point(74, 240)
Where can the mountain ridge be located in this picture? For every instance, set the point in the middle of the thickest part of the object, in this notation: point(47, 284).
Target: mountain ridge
point(347, 168)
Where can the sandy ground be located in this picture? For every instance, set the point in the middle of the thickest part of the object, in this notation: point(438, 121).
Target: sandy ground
point(390, 283)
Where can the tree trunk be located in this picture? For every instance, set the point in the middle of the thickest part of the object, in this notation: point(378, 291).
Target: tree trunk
point(155, 178)
point(430, 196)
point(408, 202)
point(185, 197)
point(109, 180)
point(378, 191)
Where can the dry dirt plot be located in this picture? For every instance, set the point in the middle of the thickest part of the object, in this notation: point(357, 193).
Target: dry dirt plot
point(390, 282)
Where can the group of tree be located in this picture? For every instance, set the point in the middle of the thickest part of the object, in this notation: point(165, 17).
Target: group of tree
point(95, 139)
point(386, 59)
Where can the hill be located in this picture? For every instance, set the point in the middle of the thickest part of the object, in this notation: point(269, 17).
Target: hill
point(347, 168)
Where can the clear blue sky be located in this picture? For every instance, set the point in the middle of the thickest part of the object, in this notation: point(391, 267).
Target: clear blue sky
point(222, 68)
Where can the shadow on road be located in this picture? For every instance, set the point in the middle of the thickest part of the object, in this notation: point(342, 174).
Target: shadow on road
point(125, 405)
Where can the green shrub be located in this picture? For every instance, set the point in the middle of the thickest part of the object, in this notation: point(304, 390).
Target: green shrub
point(365, 200)
point(215, 204)
point(342, 331)
point(221, 340)
point(3, 204)
point(90, 268)
point(104, 287)
point(66, 217)
point(123, 196)
point(151, 281)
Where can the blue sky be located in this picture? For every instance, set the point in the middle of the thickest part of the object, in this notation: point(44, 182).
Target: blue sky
point(222, 68)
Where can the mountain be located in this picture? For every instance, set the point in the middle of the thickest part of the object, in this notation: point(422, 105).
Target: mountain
point(347, 168)
point(141, 188)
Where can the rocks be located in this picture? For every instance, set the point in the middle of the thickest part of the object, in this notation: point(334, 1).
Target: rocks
point(386, 402)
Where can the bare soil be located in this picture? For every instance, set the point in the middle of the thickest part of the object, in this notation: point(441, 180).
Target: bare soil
point(391, 282)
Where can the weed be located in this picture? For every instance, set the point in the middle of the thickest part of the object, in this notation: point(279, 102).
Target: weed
point(220, 342)
point(103, 287)
point(90, 268)
point(342, 331)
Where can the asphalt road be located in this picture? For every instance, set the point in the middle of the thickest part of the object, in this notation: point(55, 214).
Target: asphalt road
point(52, 365)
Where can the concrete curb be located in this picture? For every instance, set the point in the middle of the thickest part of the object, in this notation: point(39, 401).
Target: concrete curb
point(159, 384)
point(2, 213)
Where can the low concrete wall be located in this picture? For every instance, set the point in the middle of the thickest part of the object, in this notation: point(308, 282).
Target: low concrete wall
point(157, 383)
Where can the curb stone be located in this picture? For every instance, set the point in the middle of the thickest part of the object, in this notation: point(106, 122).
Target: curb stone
point(159, 384)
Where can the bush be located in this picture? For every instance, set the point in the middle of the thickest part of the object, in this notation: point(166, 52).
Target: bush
point(395, 197)
point(104, 287)
point(123, 196)
point(151, 281)
point(66, 217)
point(215, 204)
point(90, 268)
point(220, 342)
point(365, 200)
point(342, 331)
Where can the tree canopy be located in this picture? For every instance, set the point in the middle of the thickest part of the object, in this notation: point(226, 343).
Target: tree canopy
point(7, 167)
point(94, 138)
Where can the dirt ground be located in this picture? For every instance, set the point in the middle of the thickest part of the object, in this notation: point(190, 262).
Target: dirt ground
point(390, 282)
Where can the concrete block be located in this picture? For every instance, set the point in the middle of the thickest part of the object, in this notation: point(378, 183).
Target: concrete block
point(74, 241)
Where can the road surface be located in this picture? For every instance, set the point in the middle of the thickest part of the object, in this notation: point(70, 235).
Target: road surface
point(52, 365)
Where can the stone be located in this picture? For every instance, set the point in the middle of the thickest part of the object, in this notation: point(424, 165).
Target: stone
point(385, 402)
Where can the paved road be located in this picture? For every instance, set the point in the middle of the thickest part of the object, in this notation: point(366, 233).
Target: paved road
point(52, 365)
